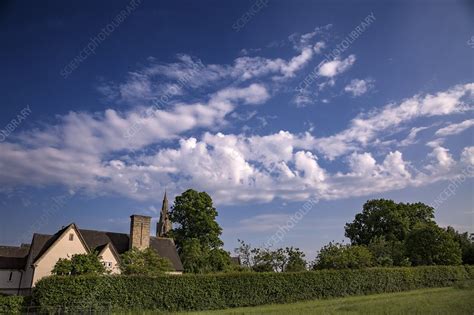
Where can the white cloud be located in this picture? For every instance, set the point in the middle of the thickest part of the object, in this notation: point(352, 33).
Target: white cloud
point(467, 156)
point(358, 87)
point(332, 68)
point(365, 129)
point(411, 138)
point(319, 46)
point(455, 129)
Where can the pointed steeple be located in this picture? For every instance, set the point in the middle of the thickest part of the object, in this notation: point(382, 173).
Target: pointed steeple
point(164, 224)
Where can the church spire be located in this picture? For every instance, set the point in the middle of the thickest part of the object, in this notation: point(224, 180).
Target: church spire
point(164, 224)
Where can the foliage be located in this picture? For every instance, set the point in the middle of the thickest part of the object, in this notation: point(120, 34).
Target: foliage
point(287, 259)
point(79, 264)
point(339, 256)
point(197, 233)
point(11, 304)
point(202, 259)
point(295, 261)
point(388, 253)
point(195, 216)
point(145, 262)
point(216, 291)
point(431, 245)
point(387, 218)
point(63, 267)
point(466, 245)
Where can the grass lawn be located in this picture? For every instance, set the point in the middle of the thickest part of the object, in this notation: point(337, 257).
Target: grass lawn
point(425, 301)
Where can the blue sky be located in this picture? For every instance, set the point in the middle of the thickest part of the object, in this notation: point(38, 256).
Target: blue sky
point(263, 104)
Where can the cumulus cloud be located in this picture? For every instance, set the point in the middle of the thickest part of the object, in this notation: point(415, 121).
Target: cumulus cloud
point(138, 151)
point(337, 66)
point(358, 87)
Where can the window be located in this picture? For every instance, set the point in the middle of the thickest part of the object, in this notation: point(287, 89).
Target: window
point(11, 276)
point(107, 264)
point(71, 237)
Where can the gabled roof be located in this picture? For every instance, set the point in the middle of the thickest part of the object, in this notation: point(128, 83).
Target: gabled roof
point(98, 240)
point(53, 239)
point(111, 246)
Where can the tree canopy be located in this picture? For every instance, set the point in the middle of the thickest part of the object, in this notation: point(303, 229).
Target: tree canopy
point(197, 233)
point(340, 256)
point(287, 259)
point(145, 262)
point(431, 245)
point(388, 219)
point(79, 264)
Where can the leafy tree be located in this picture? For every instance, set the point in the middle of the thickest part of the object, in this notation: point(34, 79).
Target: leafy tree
point(429, 244)
point(195, 216)
point(289, 259)
point(266, 260)
point(63, 267)
point(197, 233)
point(339, 256)
point(202, 259)
point(296, 261)
point(80, 264)
point(145, 262)
point(466, 245)
point(388, 253)
point(387, 218)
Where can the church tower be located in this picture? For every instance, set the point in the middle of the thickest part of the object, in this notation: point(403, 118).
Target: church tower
point(164, 224)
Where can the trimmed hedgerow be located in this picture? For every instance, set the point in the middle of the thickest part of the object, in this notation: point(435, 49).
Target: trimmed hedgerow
point(203, 292)
point(11, 304)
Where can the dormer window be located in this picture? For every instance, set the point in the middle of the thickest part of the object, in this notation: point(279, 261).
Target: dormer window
point(71, 237)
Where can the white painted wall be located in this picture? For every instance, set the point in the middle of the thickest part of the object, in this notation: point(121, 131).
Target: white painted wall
point(63, 248)
point(108, 256)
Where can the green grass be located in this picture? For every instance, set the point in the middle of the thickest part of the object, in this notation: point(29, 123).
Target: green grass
point(425, 301)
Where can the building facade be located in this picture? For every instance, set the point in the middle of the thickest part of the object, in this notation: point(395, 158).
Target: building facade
point(23, 266)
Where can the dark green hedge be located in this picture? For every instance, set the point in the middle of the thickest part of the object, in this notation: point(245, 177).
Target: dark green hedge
point(11, 304)
point(201, 292)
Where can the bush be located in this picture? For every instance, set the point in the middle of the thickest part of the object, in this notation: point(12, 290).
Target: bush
point(79, 264)
point(144, 262)
point(217, 291)
point(11, 304)
point(338, 256)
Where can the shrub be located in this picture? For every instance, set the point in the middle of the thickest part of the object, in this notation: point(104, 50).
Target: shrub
point(216, 291)
point(144, 262)
point(79, 264)
point(11, 304)
point(338, 256)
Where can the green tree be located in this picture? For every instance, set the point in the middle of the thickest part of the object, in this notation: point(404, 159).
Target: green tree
point(429, 244)
point(80, 264)
point(339, 256)
point(202, 259)
point(388, 219)
point(63, 267)
point(197, 233)
point(466, 245)
point(295, 260)
point(388, 253)
point(145, 262)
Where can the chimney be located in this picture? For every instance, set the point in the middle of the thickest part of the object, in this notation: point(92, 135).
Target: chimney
point(139, 231)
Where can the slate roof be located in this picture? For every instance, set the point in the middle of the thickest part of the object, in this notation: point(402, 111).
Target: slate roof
point(95, 240)
point(13, 257)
